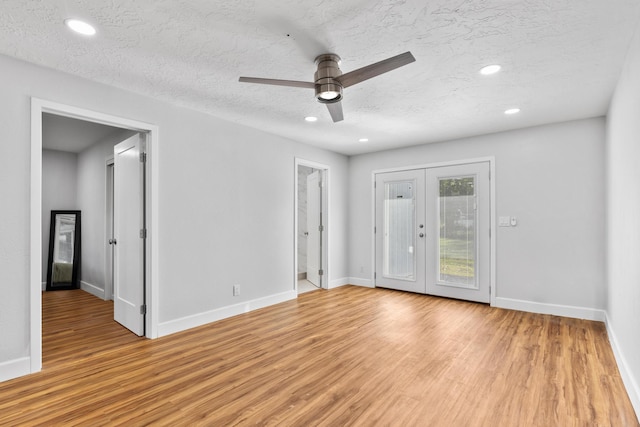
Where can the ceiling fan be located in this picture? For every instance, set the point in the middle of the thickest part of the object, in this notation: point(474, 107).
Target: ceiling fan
point(329, 80)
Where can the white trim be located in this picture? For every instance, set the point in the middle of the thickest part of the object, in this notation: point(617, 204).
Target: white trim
point(358, 281)
point(326, 219)
point(92, 289)
point(493, 276)
point(490, 159)
point(633, 389)
point(39, 106)
point(554, 309)
point(15, 368)
point(200, 319)
point(492, 214)
point(336, 283)
point(108, 249)
point(35, 257)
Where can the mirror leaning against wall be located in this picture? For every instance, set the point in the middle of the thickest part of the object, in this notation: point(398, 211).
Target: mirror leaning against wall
point(64, 250)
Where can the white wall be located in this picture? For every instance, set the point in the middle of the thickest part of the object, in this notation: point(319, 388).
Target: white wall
point(91, 190)
point(551, 178)
point(226, 204)
point(623, 222)
point(59, 182)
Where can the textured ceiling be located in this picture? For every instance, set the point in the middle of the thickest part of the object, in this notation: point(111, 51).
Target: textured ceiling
point(560, 58)
point(72, 135)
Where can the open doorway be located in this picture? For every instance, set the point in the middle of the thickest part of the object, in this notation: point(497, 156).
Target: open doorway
point(42, 111)
point(311, 226)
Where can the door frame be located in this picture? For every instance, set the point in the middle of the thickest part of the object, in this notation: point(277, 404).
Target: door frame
point(39, 106)
point(492, 215)
point(108, 262)
point(325, 220)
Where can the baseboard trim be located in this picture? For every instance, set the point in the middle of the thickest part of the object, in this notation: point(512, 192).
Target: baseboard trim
point(15, 368)
point(188, 322)
point(554, 309)
point(358, 281)
point(92, 289)
point(336, 283)
point(633, 389)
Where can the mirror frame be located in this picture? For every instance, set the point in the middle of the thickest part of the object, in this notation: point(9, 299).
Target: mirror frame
point(76, 251)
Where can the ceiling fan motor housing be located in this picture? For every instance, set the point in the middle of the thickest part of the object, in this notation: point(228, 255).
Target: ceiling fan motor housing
point(328, 90)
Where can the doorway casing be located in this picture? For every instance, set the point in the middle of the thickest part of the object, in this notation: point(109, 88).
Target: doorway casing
point(39, 106)
point(325, 221)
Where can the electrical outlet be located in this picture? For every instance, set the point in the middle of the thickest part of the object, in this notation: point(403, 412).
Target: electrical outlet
point(236, 290)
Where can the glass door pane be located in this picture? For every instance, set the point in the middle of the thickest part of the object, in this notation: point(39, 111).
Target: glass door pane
point(457, 247)
point(399, 219)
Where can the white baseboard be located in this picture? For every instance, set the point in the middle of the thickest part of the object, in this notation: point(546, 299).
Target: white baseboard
point(92, 289)
point(336, 283)
point(15, 368)
point(358, 281)
point(633, 389)
point(200, 319)
point(555, 309)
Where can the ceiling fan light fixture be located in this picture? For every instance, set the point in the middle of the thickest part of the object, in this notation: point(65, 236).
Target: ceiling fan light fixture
point(329, 95)
point(311, 119)
point(490, 69)
point(80, 27)
point(328, 91)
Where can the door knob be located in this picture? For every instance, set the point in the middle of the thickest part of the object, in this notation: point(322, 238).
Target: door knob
point(112, 241)
point(421, 234)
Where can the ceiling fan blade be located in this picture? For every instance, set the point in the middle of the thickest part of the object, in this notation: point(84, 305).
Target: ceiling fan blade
point(290, 83)
point(365, 73)
point(335, 109)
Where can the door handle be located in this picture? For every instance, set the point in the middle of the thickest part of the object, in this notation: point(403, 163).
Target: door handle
point(112, 241)
point(421, 234)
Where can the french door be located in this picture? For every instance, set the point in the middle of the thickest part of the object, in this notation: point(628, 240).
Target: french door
point(458, 219)
point(400, 233)
point(433, 231)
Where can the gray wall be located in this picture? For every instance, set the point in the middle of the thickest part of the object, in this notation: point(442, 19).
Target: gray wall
point(215, 176)
point(550, 177)
point(59, 192)
point(623, 221)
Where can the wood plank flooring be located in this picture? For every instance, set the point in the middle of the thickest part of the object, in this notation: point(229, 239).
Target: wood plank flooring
point(348, 356)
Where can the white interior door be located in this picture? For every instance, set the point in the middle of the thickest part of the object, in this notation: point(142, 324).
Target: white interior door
point(314, 224)
point(400, 233)
point(458, 219)
point(129, 242)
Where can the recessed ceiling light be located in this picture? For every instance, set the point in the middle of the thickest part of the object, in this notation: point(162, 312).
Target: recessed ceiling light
point(512, 111)
point(311, 119)
point(363, 140)
point(80, 27)
point(490, 69)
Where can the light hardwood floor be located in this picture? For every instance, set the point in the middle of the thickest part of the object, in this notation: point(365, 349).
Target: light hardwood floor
point(348, 356)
